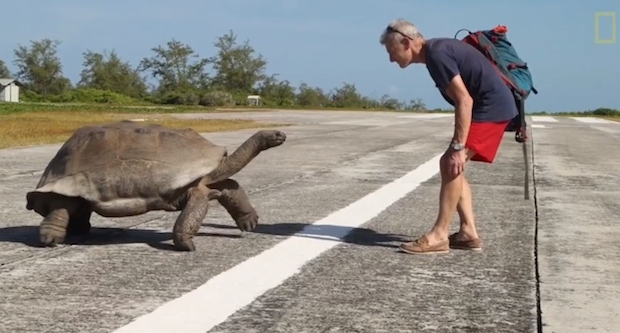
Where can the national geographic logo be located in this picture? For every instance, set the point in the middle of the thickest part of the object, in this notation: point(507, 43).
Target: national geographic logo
point(605, 18)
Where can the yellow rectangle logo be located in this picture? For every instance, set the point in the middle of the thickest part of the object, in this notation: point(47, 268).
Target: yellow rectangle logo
point(597, 33)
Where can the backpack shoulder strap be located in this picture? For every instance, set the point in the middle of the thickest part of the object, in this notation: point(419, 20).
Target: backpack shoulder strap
point(482, 40)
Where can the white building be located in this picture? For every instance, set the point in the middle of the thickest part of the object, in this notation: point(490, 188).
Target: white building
point(9, 90)
point(254, 100)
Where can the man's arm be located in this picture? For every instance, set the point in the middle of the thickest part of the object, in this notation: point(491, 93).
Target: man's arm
point(445, 72)
point(463, 104)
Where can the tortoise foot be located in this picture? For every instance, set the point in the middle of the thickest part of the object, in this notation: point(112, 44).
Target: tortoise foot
point(51, 235)
point(247, 222)
point(184, 244)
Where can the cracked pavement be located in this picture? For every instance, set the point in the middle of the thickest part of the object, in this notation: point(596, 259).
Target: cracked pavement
point(126, 268)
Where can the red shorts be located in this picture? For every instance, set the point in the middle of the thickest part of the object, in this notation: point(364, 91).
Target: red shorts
point(484, 139)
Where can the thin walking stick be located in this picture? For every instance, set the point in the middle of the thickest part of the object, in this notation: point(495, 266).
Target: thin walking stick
point(522, 137)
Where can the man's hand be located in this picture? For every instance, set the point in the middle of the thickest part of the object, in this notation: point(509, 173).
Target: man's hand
point(456, 162)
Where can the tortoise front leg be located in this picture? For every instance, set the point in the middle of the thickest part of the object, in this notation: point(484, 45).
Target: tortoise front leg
point(53, 228)
point(190, 219)
point(237, 204)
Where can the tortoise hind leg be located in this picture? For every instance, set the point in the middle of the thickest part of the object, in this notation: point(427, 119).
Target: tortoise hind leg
point(79, 223)
point(236, 202)
point(53, 228)
point(190, 219)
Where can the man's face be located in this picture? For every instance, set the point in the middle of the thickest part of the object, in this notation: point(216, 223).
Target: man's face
point(399, 52)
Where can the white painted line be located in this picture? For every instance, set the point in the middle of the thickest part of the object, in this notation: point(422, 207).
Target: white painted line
point(427, 115)
point(538, 126)
point(592, 120)
point(212, 303)
point(544, 119)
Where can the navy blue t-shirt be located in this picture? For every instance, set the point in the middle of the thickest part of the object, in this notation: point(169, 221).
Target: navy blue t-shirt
point(447, 57)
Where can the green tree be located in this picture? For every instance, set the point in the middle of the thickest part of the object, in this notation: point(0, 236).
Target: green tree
point(311, 96)
point(4, 71)
point(346, 96)
point(390, 103)
point(106, 71)
point(40, 69)
point(179, 69)
point(415, 105)
point(280, 93)
point(237, 68)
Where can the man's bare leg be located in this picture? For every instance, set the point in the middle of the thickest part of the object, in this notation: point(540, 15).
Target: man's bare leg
point(437, 239)
point(465, 209)
point(449, 195)
point(467, 237)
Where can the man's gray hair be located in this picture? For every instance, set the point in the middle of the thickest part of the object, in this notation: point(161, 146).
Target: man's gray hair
point(397, 28)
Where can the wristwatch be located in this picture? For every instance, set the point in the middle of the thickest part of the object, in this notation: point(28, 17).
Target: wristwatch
point(457, 146)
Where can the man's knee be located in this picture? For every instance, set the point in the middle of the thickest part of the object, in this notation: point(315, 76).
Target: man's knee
point(443, 163)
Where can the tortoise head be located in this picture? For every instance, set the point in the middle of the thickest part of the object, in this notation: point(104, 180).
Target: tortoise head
point(271, 138)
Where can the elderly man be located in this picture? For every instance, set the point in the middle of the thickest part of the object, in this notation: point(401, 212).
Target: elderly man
point(484, 106)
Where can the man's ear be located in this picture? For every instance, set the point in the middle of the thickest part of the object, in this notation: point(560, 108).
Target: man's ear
point(406, 42)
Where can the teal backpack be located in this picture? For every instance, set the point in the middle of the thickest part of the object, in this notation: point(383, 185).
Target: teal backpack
point(513, 71)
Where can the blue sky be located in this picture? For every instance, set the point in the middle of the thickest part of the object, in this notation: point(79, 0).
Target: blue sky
point(325, 43)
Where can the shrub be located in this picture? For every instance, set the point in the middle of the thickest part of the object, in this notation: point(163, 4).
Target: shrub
point(217, 98)
point(180, 98)
point(80, 95)
point(606, 112)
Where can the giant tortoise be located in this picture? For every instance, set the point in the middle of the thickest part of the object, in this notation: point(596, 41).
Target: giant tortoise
point(128, 168)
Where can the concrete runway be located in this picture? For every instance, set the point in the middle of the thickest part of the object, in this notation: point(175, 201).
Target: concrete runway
point(367, 181)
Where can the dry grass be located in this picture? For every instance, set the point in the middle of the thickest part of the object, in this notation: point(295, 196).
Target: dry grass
point(612, 118)
point(35, 128)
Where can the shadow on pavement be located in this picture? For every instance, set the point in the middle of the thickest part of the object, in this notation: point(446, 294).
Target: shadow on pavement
point(357, 236)
point(29, 235)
